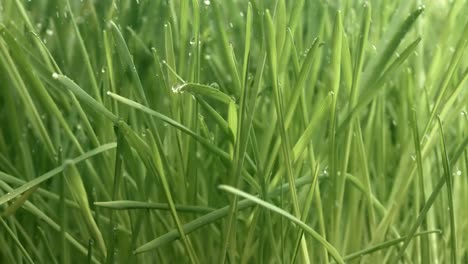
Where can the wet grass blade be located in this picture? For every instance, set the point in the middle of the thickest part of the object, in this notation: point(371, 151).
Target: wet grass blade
point(449, 185)
point(335, 254)
point(25, 187)
point(133, 205)
point(204, 90)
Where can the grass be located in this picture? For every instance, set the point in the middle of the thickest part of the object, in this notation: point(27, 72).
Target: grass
point(233, 131)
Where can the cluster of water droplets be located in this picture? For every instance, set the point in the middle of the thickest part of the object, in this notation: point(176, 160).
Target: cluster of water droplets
point(177, 88)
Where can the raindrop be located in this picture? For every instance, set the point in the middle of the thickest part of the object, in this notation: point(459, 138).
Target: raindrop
point(214, 85)
point(177, 88)
point(241, 14)
point(207, 2)
point(55, 75)
point(49, 32)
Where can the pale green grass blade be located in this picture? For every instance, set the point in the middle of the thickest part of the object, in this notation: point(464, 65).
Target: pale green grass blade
point(171, 122)
point(18, 191)
point(248, 39)
point(78, 191)
point(272, 59)
point(203, 90)
point(361, 48)
point(453, 64)
point(31, 109)
point(449, 185)
point(334, 77)
point(368, 96)
point(16, 241)
point(124, 54)
point(84, 53)
point(210, 218)
point(170, 57)
point(159, 169)
point(226, 48)
point(133, 205)
point(385, 245)
point(304, 74)
point(303, 142)
point(335, 254)
point(391, 47)
point(86, 98)
point(28, 206)
point(10, 210)
point(431, 199)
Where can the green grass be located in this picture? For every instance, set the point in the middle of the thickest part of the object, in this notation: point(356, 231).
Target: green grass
point(233, 132)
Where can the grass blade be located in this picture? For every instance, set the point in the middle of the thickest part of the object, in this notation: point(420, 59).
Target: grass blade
point(335, 254)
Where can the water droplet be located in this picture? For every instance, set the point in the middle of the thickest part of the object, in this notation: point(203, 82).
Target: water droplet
point(55, 75)
point(103, 70)
point(192, 41)
point(231, 25)
point(108, 93)
point(413, 157)
point(49, 32)
point(207, 2)
point(241, 14)
point(177, 88)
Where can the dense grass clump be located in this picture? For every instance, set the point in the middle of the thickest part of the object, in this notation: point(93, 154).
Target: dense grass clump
point(141, 131)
